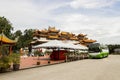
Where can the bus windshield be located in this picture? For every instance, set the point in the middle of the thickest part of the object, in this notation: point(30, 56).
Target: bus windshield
point(93, 48)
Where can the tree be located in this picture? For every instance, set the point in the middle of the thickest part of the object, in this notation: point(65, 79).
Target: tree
point(5, 26)
point(24, 38)
point(113, 47)
point(18, 33)
point(18, 45)
point(28, 36)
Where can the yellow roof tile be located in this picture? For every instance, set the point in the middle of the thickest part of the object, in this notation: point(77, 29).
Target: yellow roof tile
point(5, 39)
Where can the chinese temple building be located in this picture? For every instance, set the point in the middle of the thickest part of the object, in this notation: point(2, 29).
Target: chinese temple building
point(45, 35)
point(81, 36)
point(41, 36)
point(53, 33)
point(84, 40)
point(4, 40)
point(63, 35)
point(88, 41)
point(73, 37)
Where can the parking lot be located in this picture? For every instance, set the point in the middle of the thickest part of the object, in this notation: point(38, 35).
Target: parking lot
point(88, 69)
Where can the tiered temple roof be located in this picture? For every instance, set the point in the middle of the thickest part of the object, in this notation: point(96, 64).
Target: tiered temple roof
point(73, 36)
point(52, 33)
point(43, 33)
point(5, 40)
point(64, 35)
point(53, 30)
point(81, 36)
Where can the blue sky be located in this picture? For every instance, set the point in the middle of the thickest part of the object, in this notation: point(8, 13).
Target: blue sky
point(99, 19)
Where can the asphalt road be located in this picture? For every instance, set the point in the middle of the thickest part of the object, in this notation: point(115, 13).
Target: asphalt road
point(89, 69)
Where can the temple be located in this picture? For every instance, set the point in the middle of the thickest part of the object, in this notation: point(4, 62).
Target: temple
point(63, 35)
point(4, 40)
point(45, 35)
point(73, 37)
point(53, 33)
point(41, 36)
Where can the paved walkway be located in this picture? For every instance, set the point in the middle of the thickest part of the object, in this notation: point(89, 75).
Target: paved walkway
point(26, 62)
point(89, 69)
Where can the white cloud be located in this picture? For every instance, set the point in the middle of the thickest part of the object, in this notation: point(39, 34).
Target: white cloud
point(91, 3)
point(20, 13)
point(29, 14)
point(96, 27)
point(110, 40)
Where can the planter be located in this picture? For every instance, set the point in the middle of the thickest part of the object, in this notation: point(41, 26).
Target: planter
point(16, 67)
point(2, 69)
point(48, 62)
point(38, 63)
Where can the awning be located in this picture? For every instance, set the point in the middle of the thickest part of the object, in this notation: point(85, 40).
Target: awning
point(59, 44)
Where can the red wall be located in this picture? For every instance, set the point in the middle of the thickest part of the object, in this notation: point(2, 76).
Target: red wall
point(58, 55)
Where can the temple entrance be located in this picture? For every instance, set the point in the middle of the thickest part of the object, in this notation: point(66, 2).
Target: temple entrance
point(58, 55)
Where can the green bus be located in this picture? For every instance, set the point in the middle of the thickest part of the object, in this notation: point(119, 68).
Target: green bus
point(95, 50)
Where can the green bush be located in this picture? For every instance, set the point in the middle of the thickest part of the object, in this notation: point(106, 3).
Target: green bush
point(38, 53)
point(112, 48)
point(4, 50)
point(5, 63)
point(15, 58)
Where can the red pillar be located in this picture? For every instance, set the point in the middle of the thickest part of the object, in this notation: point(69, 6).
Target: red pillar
point(10, 50)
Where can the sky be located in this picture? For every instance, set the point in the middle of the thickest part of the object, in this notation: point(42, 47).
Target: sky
point(99, 19)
